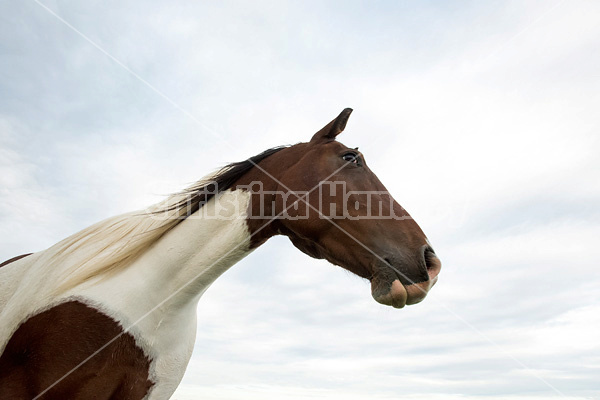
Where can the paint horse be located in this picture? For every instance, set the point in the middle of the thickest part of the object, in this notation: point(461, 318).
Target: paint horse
point(110, 312)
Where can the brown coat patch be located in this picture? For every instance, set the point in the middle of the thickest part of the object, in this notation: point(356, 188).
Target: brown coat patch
point(50, 344)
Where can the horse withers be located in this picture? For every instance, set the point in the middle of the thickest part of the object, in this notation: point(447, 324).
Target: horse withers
point(110, 312)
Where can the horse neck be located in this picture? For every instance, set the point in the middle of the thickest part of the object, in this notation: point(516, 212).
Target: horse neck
point(164, 283)
point(187, 260)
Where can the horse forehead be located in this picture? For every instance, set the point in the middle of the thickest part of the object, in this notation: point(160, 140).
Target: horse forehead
point(320, 150)
point(335, 146)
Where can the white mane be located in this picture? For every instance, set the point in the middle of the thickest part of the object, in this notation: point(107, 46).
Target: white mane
point(114, 243)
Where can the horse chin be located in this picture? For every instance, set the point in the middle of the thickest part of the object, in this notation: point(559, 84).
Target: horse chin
point(399, 295)
point(396, 296)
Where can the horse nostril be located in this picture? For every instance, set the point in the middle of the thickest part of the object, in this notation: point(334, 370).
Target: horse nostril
point(429, 255)
point(432, 263)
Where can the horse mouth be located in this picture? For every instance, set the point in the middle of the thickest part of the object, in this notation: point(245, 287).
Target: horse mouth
point(389, 289)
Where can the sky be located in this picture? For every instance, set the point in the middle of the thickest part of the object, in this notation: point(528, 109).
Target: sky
point(481, 118)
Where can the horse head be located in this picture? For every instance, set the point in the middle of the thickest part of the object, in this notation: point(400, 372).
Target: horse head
point(323, 196)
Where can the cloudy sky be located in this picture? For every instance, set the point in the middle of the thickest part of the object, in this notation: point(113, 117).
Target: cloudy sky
point(482, 118)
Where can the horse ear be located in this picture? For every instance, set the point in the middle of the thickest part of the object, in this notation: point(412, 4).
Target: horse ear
point(334, 128)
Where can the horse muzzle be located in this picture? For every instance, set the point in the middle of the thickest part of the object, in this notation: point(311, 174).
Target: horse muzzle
point(395, 286)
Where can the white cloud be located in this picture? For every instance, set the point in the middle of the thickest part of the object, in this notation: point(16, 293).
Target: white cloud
point(480, 118)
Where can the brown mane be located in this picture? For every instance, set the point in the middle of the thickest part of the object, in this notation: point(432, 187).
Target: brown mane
point(194, 197)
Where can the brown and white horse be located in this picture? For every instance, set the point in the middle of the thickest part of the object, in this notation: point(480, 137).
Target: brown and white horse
point(110, 312)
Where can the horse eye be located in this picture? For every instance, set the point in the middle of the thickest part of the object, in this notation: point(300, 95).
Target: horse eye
point(350, 157)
